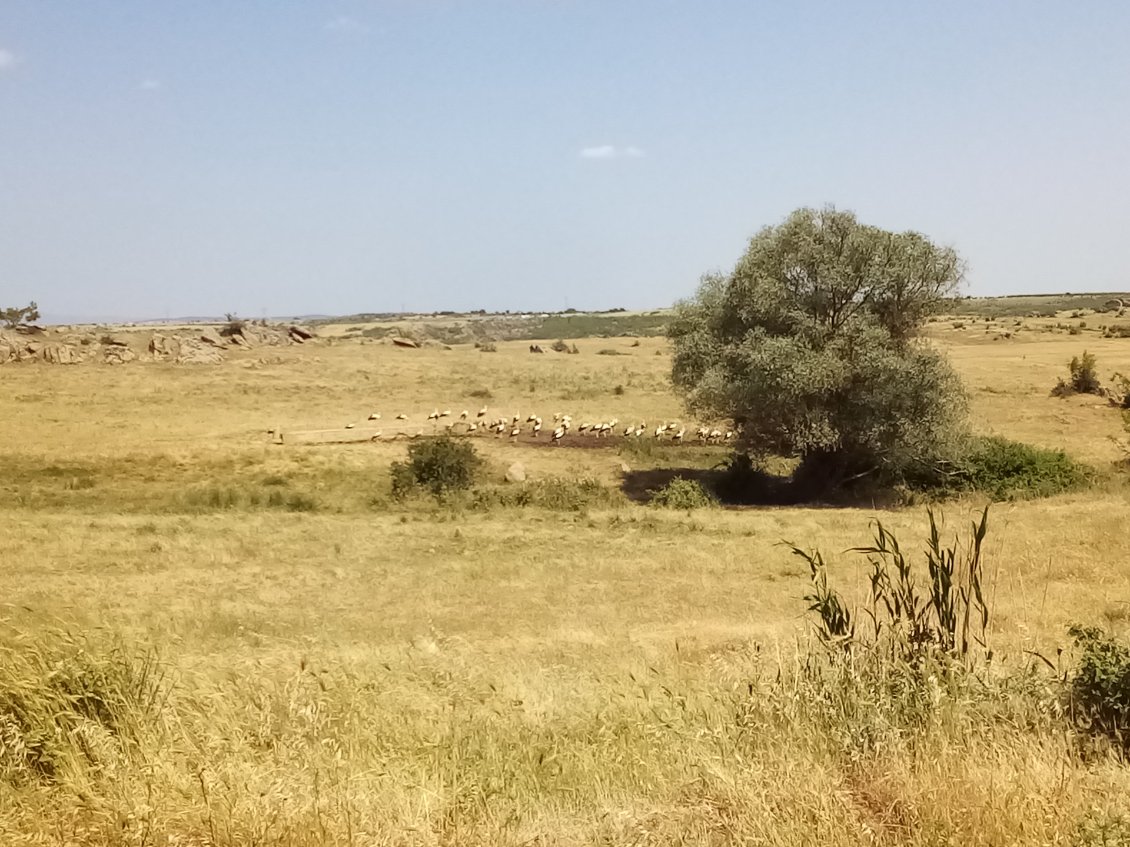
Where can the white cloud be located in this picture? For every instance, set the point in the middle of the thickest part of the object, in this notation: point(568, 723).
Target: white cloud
point(7, 59)
point(611, 151)
point(344, 24)
point(150, 85)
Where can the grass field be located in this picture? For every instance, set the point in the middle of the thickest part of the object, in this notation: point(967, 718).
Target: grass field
point(258, 647)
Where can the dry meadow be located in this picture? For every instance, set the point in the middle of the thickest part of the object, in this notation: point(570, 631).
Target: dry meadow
point(295, 659)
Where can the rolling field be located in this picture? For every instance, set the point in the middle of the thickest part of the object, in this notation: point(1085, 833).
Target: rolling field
point(292, 658)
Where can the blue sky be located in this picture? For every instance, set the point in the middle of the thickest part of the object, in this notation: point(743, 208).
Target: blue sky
point(282, 157)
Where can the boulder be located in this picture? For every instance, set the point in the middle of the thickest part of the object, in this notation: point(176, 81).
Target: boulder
point(59, 354)
point(516, 473)
point(8, 348)
point(164, 346)
point(405, 342)
point(210, 336)
point(114, 355)
point(198, 354)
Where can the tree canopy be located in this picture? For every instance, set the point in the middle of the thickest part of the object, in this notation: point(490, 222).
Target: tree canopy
point(810, 345)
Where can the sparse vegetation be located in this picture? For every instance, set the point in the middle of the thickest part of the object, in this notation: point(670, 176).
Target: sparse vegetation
point(233, 325)
point(684, 494)
point(13, 316)
point(555, 494)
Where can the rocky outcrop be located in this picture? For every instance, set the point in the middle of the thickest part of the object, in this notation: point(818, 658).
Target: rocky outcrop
point(28, 347)
point(69, 345)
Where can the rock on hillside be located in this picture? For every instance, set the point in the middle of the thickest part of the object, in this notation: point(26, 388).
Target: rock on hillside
point(68, 346)
point(35, 346)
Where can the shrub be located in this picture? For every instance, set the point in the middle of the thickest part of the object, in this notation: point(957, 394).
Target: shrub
point(1100, 687)
point(1011, 470)
point(1118, 331)
point(438, 465)
point(1002, 470)
point(608, 351)
point(1084, 375)
point(559, 346)
point(481, 394)
point(488, 347)
point(618, 391)
point(682, 493)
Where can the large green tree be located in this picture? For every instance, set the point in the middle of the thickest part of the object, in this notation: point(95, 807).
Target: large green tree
point(810, 344)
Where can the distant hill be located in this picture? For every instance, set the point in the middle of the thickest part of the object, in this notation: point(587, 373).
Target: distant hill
point(1034, 305)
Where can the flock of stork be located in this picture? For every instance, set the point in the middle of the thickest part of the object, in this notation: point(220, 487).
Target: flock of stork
point(563, 425)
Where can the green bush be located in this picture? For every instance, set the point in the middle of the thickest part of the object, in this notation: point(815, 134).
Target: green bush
point(1084, 376)
point(682, 493)
point(1011, 470)
point(437, 465)
point(1100, 688)
point(1003, 470)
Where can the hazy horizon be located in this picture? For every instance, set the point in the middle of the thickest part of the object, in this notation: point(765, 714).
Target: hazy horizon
point(421, 155)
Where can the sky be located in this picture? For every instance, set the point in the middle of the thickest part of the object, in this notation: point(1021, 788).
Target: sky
point(277, 157)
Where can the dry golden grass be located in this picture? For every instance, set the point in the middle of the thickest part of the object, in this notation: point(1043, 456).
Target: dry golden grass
point(364, 674)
